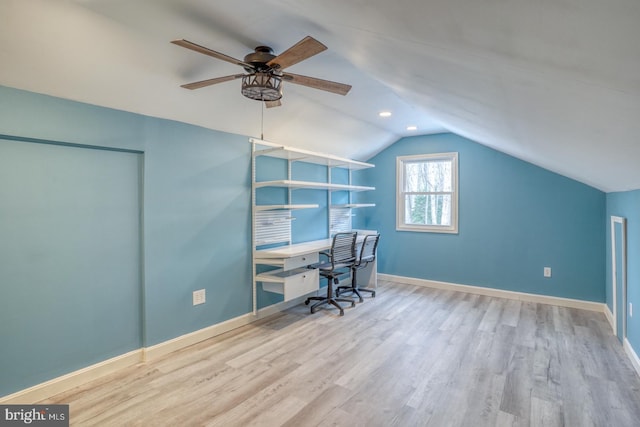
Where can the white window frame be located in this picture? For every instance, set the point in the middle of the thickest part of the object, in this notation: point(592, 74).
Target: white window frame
point(400, 193)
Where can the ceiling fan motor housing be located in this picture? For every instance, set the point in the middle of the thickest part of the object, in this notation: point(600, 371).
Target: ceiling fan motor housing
point(259, 58)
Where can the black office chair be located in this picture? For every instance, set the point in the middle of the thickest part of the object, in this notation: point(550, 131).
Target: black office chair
point(340, 260)
point(366, 256)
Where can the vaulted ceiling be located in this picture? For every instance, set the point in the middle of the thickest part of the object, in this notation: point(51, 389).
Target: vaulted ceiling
point(555, 83)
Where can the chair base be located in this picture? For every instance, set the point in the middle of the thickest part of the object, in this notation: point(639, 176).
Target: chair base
point(355, 290)
point(328, 300)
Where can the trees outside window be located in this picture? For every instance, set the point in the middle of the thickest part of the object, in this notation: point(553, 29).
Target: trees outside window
point(427, 193)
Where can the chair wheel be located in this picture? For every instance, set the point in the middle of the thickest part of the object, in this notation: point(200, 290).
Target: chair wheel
point(373, 294)
point(306, 302)
point(353, 304)
point(337, 293)
point(341, 312)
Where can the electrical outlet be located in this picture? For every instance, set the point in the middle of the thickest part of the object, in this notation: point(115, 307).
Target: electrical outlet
point(547, 272)
point(199, 297)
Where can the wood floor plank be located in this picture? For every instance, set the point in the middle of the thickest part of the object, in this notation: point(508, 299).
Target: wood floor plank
point(506, 419)
point(527, 325)
point(491, 316)
point(411, 356)
point(484, 397)
point(546, 413)
point(511, 313)
point(316, 410)
point(546, 370)
point(361, 371)
point(339, 418)
point(519, 383)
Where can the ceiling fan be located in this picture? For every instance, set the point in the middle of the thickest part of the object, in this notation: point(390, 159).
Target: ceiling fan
point(263, 81)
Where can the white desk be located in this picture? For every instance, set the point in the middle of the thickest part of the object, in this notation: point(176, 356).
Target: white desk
point(295, 250)
point(293, 279)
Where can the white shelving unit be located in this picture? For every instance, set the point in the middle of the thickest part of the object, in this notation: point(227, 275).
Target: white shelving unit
point(271, 224)
point(288, 207)
point(297, 185)
point(297, 154)
point(355, 205)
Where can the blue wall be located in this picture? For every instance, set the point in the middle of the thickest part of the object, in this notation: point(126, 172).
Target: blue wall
point(197, 214)
point(627, 205)
point(196, 219)
point(514, 219)
point(69, 256)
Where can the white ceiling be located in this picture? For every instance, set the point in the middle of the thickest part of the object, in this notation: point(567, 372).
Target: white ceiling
point(554, 82)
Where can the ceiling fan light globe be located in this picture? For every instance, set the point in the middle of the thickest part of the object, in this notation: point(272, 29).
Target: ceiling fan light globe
point(262, 86)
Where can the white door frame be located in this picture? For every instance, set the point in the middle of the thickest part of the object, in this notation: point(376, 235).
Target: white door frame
point(614, 273)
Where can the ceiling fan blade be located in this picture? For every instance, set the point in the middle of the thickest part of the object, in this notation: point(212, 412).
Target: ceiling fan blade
point(329, 86)
point(271, 104)
point(212, 53)
point(305, 48)
point(209, 82)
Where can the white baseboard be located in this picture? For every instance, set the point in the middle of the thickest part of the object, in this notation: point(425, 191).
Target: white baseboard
point(73, 379)
point(178, 343)
point(499, 293)
point(156, 351)
point(66, 382)
point(633, 356)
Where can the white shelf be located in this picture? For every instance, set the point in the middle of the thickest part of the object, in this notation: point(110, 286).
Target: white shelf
point(269, 242)
point(292, 284)
point(312, 185)
point(298, 154)
point(355, 205)
point(280, 275)
point(279, 207)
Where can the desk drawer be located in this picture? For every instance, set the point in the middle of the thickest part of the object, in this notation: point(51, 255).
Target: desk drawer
point(291, 284)
point(301, 261)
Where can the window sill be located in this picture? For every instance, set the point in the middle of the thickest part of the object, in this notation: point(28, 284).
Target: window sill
point(427, 229)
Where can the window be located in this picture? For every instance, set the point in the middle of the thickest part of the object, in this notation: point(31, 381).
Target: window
point(427, 193)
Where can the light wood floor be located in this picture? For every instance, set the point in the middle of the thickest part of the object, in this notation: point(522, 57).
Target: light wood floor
point(410, 357)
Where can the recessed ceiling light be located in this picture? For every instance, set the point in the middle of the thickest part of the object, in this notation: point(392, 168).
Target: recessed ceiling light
point(385, 114)
point(412, 127)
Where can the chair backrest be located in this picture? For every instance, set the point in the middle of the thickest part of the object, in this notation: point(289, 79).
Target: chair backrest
point(368, 249)
point(343, 249)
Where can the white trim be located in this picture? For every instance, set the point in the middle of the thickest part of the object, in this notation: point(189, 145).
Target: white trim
point(614, 287)
point(156, 351)
point(178, 343)
point(521, 296)
point(400, 193)
point(82, 376)
point(633, 356)
point(66, 382)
